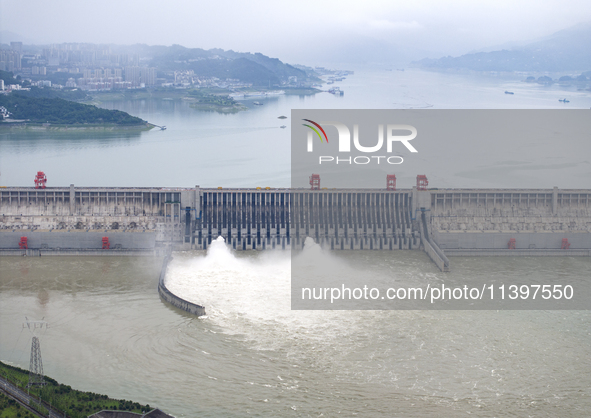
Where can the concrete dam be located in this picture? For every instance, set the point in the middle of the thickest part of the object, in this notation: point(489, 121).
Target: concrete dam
point(75, 220)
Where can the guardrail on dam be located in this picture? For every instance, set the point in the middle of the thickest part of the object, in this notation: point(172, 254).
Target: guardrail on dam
point(452, 221)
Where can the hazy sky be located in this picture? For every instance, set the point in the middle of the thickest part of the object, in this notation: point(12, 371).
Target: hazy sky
point(304, 31)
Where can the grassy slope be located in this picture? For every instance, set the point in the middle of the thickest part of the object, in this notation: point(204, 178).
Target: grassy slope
point(75, 403)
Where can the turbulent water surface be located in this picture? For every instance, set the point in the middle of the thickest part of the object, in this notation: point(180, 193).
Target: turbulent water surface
point(252, 355)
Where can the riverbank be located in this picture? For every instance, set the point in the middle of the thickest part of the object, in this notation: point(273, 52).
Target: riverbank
point(184, 94)
point(32, 126)
point(218, 108)
point(303, 91)
point(137, 94)
point(55, 399)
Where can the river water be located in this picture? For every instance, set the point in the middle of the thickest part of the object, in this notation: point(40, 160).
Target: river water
point(249, 149)
point(110, 333)
point(251, 355)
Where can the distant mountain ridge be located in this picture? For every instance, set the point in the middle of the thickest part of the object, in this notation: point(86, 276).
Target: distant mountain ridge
point(566, 50)
point(258, 69)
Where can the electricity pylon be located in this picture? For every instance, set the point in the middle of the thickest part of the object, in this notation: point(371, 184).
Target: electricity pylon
point(36, 365)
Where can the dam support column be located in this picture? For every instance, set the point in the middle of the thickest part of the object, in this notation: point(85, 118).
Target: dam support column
point(72, 200)
point(430, 246)
point(188, 209)
point(422, 202)
point(555, 201)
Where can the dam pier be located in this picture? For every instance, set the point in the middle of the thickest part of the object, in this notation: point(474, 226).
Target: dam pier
point(148, 221)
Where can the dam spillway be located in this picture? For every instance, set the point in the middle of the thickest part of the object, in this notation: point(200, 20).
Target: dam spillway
point(452, 221)
point(337, 219)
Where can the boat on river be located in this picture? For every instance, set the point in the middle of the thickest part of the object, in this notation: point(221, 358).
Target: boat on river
point(336, 91)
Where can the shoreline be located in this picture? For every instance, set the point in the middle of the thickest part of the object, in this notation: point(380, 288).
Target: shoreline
point(183, 94)
point(209, 107)
point(65, 127)
point(59, 399)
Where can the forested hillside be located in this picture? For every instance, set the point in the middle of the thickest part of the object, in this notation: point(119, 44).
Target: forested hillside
point(60, 111)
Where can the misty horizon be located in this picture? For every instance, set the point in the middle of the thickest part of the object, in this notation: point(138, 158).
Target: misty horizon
point(304, 33)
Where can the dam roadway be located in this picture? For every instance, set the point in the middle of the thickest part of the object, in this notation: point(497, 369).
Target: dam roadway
point(75, 220)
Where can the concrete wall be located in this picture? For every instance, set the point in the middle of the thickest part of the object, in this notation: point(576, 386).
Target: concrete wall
point(90, 201)
point(435, 257)
point(154, 252)
point(155, 210)
point(485, 220)
point(430, 246)
point(281, 218)
point(500, 240)
point(173, 299)
point(518, 253)
point(511, 210)
point(75, 239)
point(63, 222)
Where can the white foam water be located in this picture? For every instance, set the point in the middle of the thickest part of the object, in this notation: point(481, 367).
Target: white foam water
point(245, 291)
point(455, 360)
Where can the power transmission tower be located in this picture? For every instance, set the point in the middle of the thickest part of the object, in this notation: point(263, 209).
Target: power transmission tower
point(36, 365)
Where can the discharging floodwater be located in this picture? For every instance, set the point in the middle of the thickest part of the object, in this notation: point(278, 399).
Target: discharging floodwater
point(110, 333)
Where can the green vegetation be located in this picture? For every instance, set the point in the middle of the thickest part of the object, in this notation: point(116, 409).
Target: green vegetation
point(49, 93)
point(60, 111)
point(74, 403)
point(221, 103)
point(258, 69)
point(9, 408)
point(218, 108)
point(206, 98)
point(210, 99)
point(241, 69)
point(152, 93)
point(8, 78)
point(115, 95)
point(301, 91)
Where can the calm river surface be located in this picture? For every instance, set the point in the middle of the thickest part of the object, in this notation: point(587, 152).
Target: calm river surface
point(249, 149)
point(110, 333)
